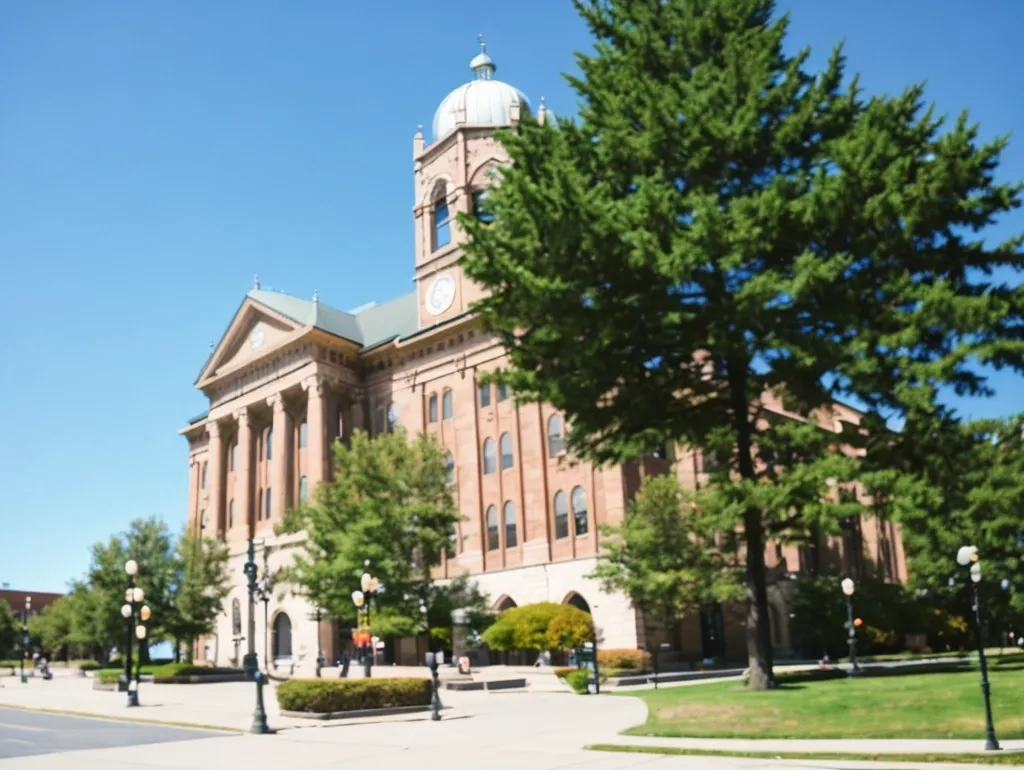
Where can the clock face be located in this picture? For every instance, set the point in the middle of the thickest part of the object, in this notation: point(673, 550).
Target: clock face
point(441, 294)
point(256, 336)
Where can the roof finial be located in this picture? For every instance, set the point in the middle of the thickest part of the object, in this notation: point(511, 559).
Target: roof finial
point(482, 64)
point(483, 44)
point(256, 281)
point(316, 296)
point(542, 112)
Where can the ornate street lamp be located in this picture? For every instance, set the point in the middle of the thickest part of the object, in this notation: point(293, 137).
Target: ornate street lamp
point(967, 556)
point(24, 636)
point(250, 663)
point(135, 614)
point(849, 587)
point(363, 600)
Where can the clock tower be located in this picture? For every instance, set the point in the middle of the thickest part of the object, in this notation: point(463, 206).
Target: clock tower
point(452, 175)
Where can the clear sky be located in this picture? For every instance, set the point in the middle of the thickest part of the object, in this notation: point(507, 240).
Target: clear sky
point(155, 155)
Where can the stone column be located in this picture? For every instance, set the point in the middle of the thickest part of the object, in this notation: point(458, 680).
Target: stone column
point(215, 482)
point(281, 447)
point(316, 429)
point(244, 469)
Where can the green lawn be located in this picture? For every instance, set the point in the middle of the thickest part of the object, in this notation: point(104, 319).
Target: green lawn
point(912, 706)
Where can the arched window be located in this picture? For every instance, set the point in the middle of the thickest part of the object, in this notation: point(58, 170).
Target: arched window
point(556, 436)
point(579, 510)
point(303, 434)
point(493, 536)
point(481, 206)
point(202, 477)
point(303, 489)
point(446, 405)
point(490, 458)
point(485, 395)
point(231, 455)
point(441, 220)
point(561, 515)
point(270, 443)
point(504, 391)
point(449, 463)
point(510, 524)
point(507, 460)
point(231, 513)
point(202, 520)
point(432, 408)
point(281, 646)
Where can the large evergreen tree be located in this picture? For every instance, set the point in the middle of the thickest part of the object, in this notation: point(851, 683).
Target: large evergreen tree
point(719, 223)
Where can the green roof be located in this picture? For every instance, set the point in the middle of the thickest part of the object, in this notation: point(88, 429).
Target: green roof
point(367, 327)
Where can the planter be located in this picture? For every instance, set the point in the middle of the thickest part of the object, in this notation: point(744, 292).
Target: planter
point(355, 714)
point(493, 684)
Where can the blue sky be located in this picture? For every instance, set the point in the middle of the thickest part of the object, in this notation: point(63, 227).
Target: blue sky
point(154, 156)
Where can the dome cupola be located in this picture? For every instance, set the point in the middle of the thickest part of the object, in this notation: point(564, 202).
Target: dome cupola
point(482, 101)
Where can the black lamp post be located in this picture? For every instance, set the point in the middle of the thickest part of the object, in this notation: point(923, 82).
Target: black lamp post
point(135, 614)
point(432, 662)
point(317, 616)
point(250, 663)
point(849, 587)
point(363, 599)
point(24, 636)
point(264, 589)
point(967, 556)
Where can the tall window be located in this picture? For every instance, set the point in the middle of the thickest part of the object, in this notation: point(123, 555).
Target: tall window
point(231, 513)
point(446, 405)
point(202, 520)
point(303, 434)
point(556, 435)
point(392, 418)
point(378, 421)
point(266, 503)
point(490, 458)
point(485, 395)
point(303, 489)
point(231, 456)
point(441, 220)
point(270, 443)
point(579, 510)
point(504, 391)
point(561, 515)
point(510, 524)
point(432, 408)
point(481, 206)
point(202, 477)
point(449, 463)
point(507, 460)
point(493, 536)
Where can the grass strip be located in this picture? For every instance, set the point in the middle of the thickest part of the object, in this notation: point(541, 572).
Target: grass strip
point(1013, 758)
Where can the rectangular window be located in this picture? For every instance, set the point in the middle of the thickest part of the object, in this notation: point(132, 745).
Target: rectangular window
point(432, 409)
point(303, 435)
point(504, 391)
point(446, 405)
point(485, 395)
point(266, 504)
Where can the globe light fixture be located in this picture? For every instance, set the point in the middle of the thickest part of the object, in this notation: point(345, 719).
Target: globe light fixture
point(365, 581)
point(966, 555)
point(975, 573)
point(848, 587)
point(138, 594)
point(126, 611)
point(358, 599)
point(131, 567)
point(140, 632)
point(145, 613)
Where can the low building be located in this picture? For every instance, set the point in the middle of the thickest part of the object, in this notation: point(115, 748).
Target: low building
point(291, 375)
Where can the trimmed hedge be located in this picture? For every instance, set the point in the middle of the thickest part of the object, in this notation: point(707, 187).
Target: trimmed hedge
point(190, 669)
point(326, 696)
point(579, 680)
point(89, 665)
point(562, 673)
point(624, 659)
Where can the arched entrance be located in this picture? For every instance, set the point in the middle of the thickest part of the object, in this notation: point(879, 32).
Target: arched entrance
point(504, 603)
point(577, 601)
point(281, 638)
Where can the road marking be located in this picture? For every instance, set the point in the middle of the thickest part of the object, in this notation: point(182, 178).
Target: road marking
point(25, 728)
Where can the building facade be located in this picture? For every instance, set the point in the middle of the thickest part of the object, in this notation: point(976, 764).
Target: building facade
point(290, 376)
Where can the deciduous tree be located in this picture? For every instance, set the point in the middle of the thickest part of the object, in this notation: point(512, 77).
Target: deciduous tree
point(200, 585)
point(720, 223)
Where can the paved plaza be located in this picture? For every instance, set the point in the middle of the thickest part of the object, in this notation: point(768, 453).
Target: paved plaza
point(542, 731)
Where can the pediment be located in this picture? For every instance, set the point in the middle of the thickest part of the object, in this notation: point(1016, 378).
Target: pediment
point(254, 331)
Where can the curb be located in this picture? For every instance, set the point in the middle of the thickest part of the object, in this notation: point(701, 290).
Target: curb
point(323, 716)
point(131, 720)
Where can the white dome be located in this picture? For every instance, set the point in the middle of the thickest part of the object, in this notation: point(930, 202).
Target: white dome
point(480, 102)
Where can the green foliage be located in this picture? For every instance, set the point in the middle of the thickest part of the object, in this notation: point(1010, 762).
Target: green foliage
point(201, 584)
point(579, 681)
point(52, 628)
point(665, 555)
point(89, 665)
point(624, 659)
point(10, 631)
point(720, 223)
point(325, 696)
point(169, 671)
point(541, 626)
point(461, 592)
point(389, 502)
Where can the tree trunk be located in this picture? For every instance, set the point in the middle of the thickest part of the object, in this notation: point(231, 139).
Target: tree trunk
point(759, 637)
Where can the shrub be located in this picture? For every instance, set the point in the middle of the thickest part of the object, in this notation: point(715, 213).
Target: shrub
point(624, 659)
point(579, 680)
point(562, 673)
point(569, 629)
point(324, 696)
point(541, 626)
point(108, 676)
point(89, 665)
point(172, 670)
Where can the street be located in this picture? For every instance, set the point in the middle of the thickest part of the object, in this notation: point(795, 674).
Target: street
point(28, 733)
